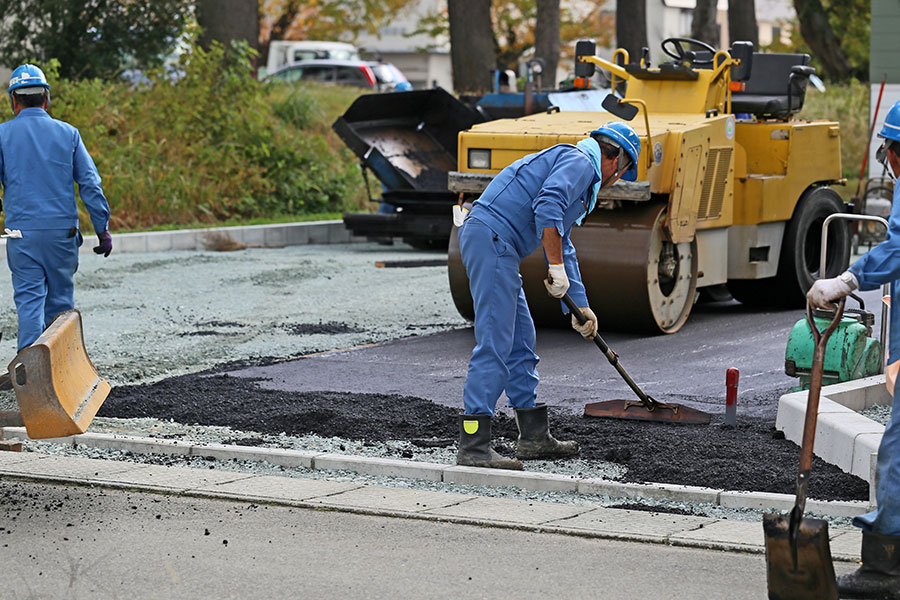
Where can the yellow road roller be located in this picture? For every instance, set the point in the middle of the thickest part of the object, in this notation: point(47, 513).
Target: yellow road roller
point(731, 190)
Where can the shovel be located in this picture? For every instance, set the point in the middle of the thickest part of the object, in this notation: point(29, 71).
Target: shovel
point(57, 386)
point(647, 409)
point(798, 556)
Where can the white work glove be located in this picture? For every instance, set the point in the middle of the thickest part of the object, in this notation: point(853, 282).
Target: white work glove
point(589, 329)
point(560, 281)
point(825, 293)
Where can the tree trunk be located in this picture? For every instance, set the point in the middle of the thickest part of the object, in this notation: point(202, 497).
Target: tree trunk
point(817, 32)
point(742, 22)
point(703, 25)
point(471, 45)
point(546, 39)
point(227, 20)
point(279, 28)
point(631, 27)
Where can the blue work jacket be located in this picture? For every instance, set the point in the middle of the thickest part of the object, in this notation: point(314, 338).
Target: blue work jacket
point(881, 265)
point(40, 158)
point(547, 189)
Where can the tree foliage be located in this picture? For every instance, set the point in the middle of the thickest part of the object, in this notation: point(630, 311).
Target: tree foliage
point(214, 145)
point(322, 19)
point(514, 23)
point(90, 38)
point(836, 33)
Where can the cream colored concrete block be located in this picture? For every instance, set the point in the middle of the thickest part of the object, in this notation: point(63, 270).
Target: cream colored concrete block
point(394, 499)
point(512, 510)
point(625, 523)
point(273, 487)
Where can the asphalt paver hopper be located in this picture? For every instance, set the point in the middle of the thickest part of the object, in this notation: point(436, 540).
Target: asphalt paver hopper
point(798, 556)
point(57, 386)
point(647, 409)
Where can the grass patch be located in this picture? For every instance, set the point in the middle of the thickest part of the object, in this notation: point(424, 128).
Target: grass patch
point(216, 147)
point(848, 104)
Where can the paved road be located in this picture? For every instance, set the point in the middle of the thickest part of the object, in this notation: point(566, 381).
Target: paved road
point(687, 367)
point(77, 542)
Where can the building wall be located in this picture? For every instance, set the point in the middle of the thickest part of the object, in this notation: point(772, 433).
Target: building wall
point(884, 47)
point(424, 60)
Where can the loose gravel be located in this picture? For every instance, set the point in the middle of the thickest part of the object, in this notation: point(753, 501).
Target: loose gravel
point(151, 317)
point(878, 413)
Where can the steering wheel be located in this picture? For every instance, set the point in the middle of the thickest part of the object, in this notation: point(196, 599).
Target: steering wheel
point(680, 54)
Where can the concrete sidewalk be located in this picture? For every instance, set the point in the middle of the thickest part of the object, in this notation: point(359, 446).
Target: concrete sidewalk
point(567, 519)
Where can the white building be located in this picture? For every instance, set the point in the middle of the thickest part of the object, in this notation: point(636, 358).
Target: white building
point(424, 60)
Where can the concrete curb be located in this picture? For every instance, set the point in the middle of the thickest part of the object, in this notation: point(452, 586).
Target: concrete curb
point(844, 437)
point(443, 507)
point(274, 236)
point(525, 480)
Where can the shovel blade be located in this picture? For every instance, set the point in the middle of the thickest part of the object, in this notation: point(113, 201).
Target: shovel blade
point(623, 409)
point(57, 386)
point(812, 577)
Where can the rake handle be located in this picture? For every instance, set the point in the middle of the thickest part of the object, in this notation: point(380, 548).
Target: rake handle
point(611, 356)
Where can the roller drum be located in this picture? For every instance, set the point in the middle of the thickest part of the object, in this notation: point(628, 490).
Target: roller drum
point(634, 278)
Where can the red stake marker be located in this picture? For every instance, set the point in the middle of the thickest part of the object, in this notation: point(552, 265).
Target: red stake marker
point(731, 386)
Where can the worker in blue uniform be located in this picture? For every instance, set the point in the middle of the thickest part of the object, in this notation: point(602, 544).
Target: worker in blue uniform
point(40, 158)
point(879, 575)
point(533, 202)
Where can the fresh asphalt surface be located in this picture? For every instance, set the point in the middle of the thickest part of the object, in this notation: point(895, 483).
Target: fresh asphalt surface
point(687, 367)
point(80, 542)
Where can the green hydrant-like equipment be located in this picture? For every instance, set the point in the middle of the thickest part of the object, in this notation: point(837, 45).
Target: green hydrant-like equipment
point(851, 353)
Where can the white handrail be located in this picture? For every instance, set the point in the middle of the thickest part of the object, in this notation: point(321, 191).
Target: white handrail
point(885, 290)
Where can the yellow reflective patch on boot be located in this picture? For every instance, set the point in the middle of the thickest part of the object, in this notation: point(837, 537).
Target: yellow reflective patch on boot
point(470, 427)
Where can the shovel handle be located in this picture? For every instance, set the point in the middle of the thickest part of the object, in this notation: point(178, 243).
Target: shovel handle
point(613, 358)
point(812, 399)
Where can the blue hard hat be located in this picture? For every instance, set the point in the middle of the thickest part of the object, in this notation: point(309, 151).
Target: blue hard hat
point(27, 76)
point(891, 128)
point(403, 86)
point(623, 135)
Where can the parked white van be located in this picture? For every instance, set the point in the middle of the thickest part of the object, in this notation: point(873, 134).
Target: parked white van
point(283, 52)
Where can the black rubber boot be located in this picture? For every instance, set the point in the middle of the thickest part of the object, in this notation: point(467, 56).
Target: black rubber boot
point(535, 440)
point(879, 576)
point(475, 445)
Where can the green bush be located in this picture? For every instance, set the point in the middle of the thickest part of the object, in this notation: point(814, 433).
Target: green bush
point(211, 145)
point(848, 104)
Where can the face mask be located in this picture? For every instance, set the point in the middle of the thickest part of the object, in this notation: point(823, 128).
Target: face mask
point(623, 163)
point(881, 156)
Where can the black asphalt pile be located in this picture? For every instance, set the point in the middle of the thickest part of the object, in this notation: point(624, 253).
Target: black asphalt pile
point(751, 457)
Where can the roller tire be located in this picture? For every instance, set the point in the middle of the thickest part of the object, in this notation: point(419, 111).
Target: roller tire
point(798, 268)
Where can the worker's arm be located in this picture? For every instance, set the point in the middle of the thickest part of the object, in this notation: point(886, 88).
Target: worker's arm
point(88, 180)
point(566, 182)
point(557, 282)
point(552, 242)
point(576, 287)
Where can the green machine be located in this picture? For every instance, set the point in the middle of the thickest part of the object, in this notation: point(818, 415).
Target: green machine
point(851, 353)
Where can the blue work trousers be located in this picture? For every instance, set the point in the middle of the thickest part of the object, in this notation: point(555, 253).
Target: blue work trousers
point(504, 356)
point(886, 518)
point(43, 264)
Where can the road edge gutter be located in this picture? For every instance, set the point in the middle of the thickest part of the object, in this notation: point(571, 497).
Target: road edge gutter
point(390, 467)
